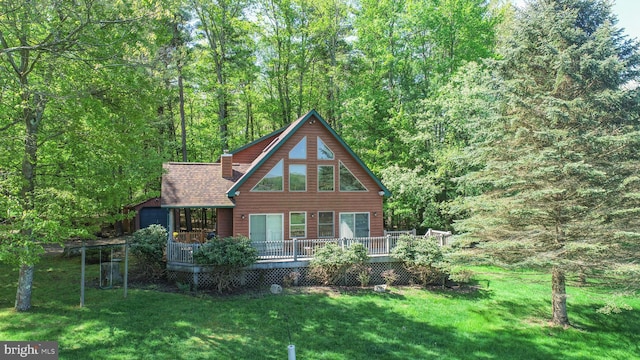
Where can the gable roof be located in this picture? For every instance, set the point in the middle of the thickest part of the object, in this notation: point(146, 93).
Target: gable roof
point(198, 185)
point(284, 136)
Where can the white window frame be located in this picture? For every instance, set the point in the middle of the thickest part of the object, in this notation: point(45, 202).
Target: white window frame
point(319, 141)
point(333, 171)
point(306, 177)
point(354, 214)
point(270, 244)
point(333, 225)
point(304, 139)
point(304, 215)
point(340, 163)
point(279, 163)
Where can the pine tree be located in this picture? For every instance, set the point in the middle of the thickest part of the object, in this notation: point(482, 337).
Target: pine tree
point(561, 177)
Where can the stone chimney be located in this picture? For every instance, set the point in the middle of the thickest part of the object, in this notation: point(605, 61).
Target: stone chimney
point(227, 165)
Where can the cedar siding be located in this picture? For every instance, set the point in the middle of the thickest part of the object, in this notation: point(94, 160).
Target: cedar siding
point(255, 160)
point(310, 201)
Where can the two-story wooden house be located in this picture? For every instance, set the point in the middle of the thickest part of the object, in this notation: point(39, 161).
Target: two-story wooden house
point(302, 181)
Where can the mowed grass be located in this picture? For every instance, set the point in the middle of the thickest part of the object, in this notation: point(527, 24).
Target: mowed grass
point(507, 318)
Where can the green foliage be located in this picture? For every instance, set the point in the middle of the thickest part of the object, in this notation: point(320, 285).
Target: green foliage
point(423, 258)
point(230, 251)
point(331, 263)
point(148, 247)
point(227, 256)
point(389, 276)
point(557, 156)
point(504, 313)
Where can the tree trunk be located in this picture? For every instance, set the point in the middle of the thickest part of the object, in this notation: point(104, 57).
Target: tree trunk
point(183, 120)
point(33, 116)
point(559, 294)
point(23, 295)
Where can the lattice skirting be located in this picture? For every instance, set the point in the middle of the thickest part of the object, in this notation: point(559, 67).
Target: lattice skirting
point(202, 278)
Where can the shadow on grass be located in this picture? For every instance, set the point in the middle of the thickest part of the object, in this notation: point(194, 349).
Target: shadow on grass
point(327, 325)
point(321, 327)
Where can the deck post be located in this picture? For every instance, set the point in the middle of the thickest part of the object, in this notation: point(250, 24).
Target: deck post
point(295, 247)
point(388, 243)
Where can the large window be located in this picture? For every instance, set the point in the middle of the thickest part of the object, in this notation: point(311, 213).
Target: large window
point(325, 178)
point(273, 180)
point(265, 232)
point(354, 225)
point(297, 177)
point(348, 181)
point(325, 224)
point(300, 150)
point(324, 153)
point(298, 225)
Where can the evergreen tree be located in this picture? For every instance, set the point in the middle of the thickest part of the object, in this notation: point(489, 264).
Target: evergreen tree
point(560, 182)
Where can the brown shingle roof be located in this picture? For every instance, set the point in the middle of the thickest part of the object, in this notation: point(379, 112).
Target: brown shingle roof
point(197, 184)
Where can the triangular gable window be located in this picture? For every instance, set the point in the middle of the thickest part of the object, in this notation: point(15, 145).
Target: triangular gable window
point(324, 153)
point(348, 181)
point(300, 150)
point(273, 181)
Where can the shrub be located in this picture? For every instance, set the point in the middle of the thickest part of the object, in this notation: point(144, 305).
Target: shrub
point(228, 256)
point(364, 276)
point(148, 246)
point(389, 276)
point(332, 263)
point(423, 258)
point(291, 279)
point(461, 275)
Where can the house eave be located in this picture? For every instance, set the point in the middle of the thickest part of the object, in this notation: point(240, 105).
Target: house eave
point(301, 122)
point(192, 206)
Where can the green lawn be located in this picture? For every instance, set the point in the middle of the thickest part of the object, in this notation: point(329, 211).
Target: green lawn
point(506, 319)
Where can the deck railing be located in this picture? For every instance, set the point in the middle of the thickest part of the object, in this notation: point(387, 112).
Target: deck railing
point(302, 249)
point(189, 237)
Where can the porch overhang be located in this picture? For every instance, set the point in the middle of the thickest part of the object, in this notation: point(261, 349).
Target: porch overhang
point(197, 206)
point(198, 185)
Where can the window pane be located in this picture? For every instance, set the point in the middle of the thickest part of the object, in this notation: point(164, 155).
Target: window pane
point(297, 224)
point(297, 177)
point(348, 182)
point(325, 178)
point(266, 232)
point(347, 226)
point(324, 153)
point(362, 225)
point(300, 150)
point(273, 180)
point(325, 224)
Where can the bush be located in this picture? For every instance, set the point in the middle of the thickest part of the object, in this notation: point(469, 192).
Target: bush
point(332, 263)
point(389, 276)
point(228, 256)
point(148, 246)
point(461, 275)
point(291, 279)
point(422, 257)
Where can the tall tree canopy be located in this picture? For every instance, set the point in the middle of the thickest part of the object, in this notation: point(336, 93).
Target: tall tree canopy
point(560, 175)
point(76, 109)
point(94, 95)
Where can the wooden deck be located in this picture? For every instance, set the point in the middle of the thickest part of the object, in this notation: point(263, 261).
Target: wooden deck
point(181, 253)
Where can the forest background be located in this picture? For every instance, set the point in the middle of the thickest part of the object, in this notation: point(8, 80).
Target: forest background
point(95, 95)
point(108, 85)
